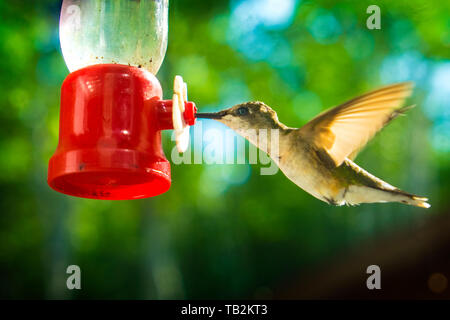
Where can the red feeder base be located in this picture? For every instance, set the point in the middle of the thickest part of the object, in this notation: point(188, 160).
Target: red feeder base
point(110, 139)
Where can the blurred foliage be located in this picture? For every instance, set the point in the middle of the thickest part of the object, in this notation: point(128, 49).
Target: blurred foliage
point(222, 231)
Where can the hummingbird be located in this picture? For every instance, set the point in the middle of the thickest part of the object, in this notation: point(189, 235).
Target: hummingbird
point(318, 157)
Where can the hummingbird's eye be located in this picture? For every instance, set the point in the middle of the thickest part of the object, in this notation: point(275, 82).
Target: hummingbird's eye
point(242, 111)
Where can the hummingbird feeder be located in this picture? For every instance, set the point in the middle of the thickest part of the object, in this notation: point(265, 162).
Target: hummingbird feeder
point(112, 111)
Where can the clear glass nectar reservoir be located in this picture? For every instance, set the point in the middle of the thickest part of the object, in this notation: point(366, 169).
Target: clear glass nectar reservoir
point(129, 32)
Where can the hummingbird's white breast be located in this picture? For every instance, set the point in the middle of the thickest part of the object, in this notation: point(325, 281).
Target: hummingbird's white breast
point(299, 162)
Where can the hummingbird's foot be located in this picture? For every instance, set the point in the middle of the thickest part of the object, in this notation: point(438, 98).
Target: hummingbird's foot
point(331, 201)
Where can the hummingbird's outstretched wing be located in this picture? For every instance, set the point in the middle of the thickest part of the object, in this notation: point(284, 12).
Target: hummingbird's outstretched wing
point(342, 131)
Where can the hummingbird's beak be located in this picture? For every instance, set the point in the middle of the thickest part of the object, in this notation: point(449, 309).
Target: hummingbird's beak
point(210, 115)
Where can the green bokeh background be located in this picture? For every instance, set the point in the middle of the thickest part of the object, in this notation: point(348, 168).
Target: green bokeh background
point(222, 231)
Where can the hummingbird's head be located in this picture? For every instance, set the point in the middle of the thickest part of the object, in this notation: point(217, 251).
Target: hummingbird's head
point(245, 116)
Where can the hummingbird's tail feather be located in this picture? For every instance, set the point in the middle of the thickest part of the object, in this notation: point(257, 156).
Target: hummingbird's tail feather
point(363, 194)
point(408, 198)
point(420, 202)
point(366, 188)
